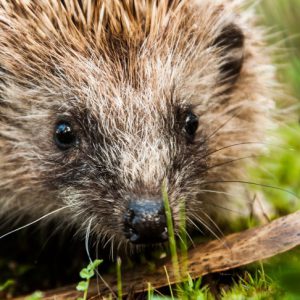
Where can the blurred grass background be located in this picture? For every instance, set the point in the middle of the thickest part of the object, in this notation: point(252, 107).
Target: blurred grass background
point(283, 163)
point(283, 17)
point(281, 167)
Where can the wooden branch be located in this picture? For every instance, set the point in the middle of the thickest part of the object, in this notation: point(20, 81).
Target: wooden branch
point(233, 251)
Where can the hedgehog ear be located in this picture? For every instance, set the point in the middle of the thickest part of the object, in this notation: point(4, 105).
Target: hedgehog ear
point(231, 45)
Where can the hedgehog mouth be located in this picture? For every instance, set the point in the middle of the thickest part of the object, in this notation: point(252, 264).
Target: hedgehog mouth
point(152, 236)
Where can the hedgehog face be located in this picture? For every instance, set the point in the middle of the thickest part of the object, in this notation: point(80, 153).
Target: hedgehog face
point(116, 138)
point(102, 108)
point(111, 160)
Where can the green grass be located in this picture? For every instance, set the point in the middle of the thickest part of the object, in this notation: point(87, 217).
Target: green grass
point(280, 281)
point(172, 240)
point(35, 296)
point(119, 278)
point(86, 274)
point(284, 171)
point(6, 285)
point(256, 286)
point(283, 17)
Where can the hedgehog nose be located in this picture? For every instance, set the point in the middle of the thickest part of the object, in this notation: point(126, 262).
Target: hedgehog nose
point(145, 222)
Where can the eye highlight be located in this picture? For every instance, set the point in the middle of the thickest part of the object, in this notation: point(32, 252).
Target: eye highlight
point(191, 125)
point(64, 136)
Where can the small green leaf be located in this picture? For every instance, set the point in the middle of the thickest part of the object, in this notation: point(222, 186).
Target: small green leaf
point(190, 282)
point(82, 286)
point(6, 285)
point(93, 265)
point(35, 296)
point(91, 273)
point(86, 274)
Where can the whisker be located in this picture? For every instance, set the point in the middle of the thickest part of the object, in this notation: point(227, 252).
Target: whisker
point(194, 224)
point(230, 146)
point(201, 221)
point(119, 245)
point(214, 223)
point(229, 162)
point(218, 192)
point(112, 247)
point(242, 144)
point(221, 126)
point(88, 230)
point(179, 236)
point(87, 235)
point(108, 241)
point(35, 221)
point(225, 208)
point(253, 183)
point(189, 236)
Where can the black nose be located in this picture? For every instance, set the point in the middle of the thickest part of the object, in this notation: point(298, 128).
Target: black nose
point(145, 222)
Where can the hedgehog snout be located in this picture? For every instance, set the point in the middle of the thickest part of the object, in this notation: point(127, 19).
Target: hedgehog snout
point(145, 222)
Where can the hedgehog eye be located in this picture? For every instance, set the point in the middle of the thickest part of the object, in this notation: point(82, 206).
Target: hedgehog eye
point(64, 135)
point(191, 125)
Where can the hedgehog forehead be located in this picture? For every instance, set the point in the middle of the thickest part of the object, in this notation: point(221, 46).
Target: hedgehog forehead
point(102, 96)
point(137, 114)
point(140, 43)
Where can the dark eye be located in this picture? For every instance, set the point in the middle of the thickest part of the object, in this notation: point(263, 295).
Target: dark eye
point(64, 135)
point(191, 125)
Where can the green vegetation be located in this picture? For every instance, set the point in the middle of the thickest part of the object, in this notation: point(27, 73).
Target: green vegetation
point(8, 283)
point(35, 296)
point(172, 240)
point(284, 172)
point(119, 279)
point(254, 284)
point(276, 280)
point(281, 168)
point(86, 274)
point(283, 17)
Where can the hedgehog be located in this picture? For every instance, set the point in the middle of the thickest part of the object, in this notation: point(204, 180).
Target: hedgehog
point(104, 102)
